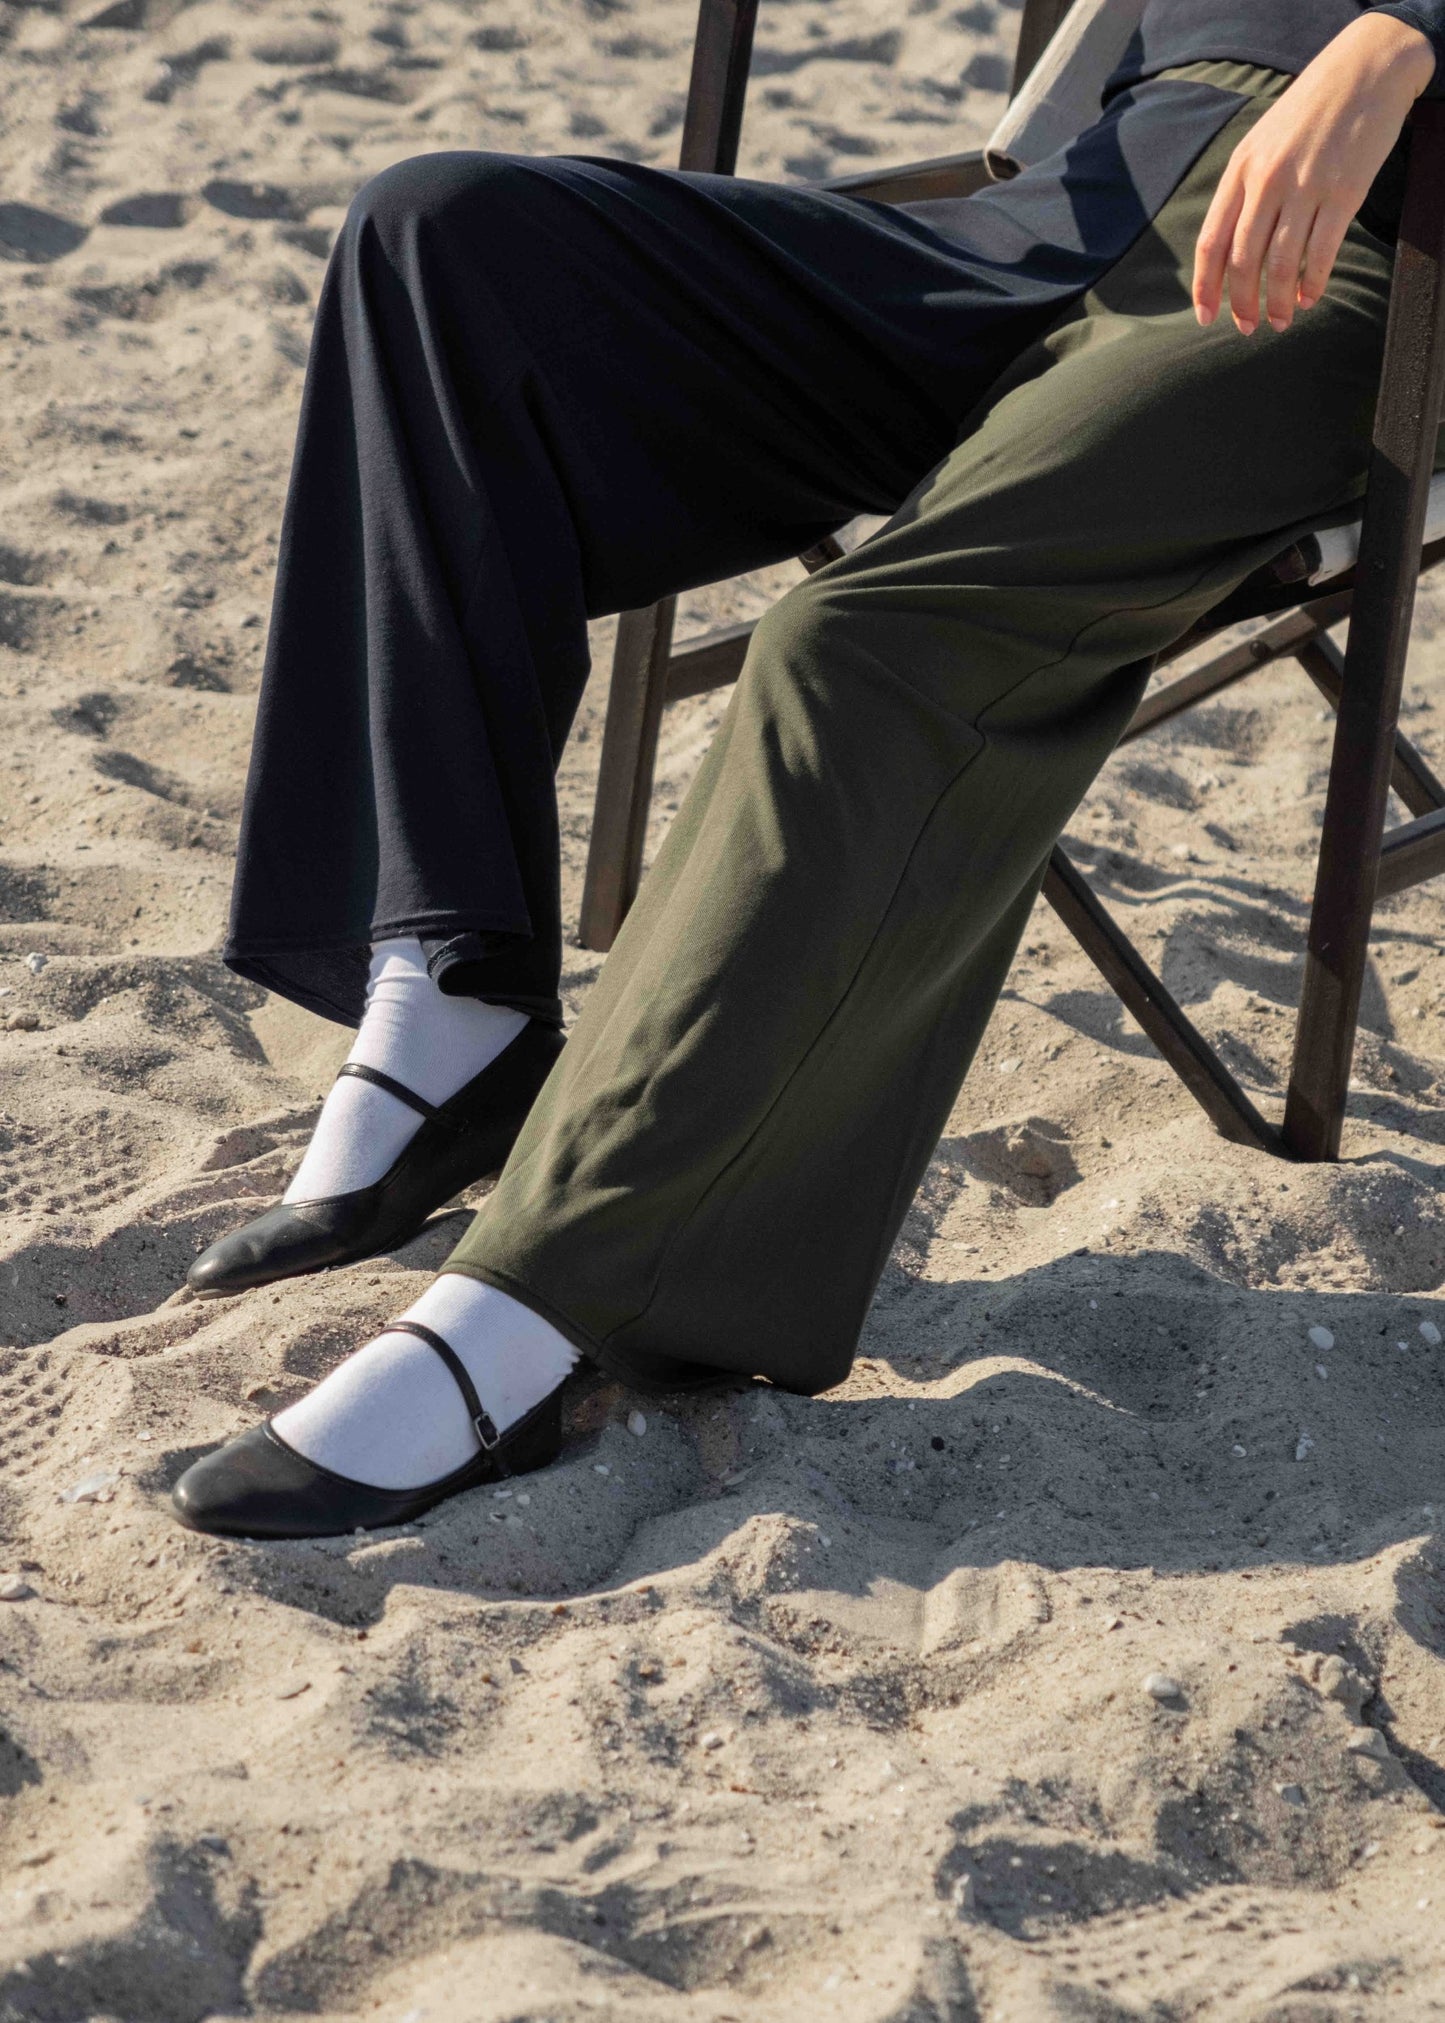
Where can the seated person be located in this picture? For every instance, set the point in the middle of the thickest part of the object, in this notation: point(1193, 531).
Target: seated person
point(540, 390)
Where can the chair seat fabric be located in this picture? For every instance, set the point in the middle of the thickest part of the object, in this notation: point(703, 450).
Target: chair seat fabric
point(1340, 546)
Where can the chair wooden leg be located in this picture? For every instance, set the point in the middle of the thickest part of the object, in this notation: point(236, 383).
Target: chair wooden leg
point(1036, 31)
point(712, 125)
point(624, 775)
point(1412, 383)
point(722, 53)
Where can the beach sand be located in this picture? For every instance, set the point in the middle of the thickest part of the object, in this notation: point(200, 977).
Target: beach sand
point(776, 1708)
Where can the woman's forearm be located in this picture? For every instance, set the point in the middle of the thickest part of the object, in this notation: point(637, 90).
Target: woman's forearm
point(1294, 184)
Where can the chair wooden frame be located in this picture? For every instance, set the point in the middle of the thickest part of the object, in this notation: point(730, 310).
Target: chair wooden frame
point(1358, 862)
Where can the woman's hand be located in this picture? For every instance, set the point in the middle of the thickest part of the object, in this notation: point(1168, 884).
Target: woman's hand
point(1298, 177)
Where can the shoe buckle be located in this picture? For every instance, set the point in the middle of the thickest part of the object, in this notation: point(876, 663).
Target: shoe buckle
point(486, 1432)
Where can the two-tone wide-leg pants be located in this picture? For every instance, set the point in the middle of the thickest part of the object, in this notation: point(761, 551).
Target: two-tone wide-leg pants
point(543, 390)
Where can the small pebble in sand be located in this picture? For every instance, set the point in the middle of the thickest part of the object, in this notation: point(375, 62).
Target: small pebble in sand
point(23, 1022)
point(14, 1589)
point(1320, 1370)
point(293, 1692)
point(35, 962)
point(91, 1489)
point(1159, 1686)
point(713, 1739)
point(1238, 1452)
point(1303, 1447)
point(1430, 1333)
point(637, 1423)
point(1292, 1794)
point(600, 1468)
point(1322, 1338)
point(964, 1895)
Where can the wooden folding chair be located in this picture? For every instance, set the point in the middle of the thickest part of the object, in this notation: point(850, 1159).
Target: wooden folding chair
point(1367, 573)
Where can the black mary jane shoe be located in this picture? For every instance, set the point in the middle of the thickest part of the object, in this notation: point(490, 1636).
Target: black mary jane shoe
point(459, 1142)
point(258, 1487)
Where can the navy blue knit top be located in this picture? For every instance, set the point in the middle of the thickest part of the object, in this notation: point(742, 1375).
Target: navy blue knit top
point(1278, 34)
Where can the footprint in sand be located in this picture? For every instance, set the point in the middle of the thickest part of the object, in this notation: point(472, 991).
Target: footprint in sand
point(18, 566)
point(90, 715)
point(499, 39)
point(299, 47)
point(134, 14)
point(83, 117)
point(31, 1399)
point(882, 48)
point(159, 210)
point(256, 200)
point(92, 512)
point(29, 233)
point(184, 67)
point(143, 301)
point(987, 72)
point(312, 239)
point(377, 84)
point(188, 672)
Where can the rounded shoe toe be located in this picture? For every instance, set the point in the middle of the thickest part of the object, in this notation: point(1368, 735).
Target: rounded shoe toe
point(251, 1488)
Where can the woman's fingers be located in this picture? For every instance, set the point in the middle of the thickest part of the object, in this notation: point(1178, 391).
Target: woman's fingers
point(1327, 235)
point(1283, 261)
point(1258, 222)
point(1216, 237)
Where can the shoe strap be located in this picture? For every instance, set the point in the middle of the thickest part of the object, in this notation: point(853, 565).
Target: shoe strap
point(482, 1422)
point(392, 1088)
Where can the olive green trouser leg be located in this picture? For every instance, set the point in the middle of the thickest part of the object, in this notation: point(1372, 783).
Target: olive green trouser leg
point(716, 1170)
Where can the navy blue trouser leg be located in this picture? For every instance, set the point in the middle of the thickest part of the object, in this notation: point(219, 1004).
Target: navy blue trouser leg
point(542, 390)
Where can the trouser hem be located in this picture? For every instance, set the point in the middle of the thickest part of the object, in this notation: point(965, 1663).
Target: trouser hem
point(642, 1373)
point(327, 975)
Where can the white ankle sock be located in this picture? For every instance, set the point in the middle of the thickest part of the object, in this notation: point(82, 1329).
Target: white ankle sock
point(430, 1043)
point(392, 1415)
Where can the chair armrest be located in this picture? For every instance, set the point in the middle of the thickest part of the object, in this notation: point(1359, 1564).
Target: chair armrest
point(912, 182)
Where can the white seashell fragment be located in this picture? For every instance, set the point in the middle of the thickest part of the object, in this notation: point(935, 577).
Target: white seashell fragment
point(92, 1489)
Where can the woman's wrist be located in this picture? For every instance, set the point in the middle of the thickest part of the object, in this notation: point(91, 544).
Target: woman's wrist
point(1399, 57)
